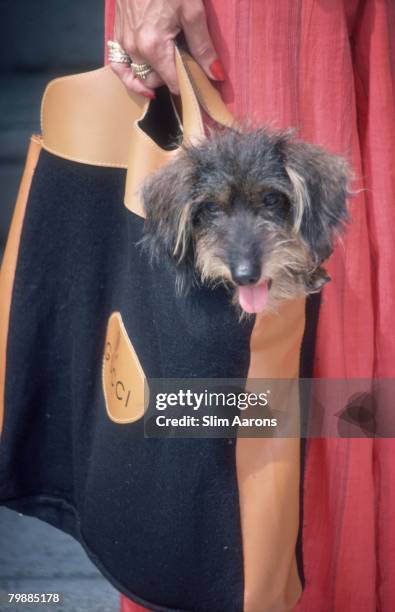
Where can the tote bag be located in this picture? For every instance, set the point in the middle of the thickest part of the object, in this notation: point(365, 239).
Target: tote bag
point(86, 321)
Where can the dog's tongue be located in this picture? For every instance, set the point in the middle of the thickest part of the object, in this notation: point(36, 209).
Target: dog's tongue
point(253, 298)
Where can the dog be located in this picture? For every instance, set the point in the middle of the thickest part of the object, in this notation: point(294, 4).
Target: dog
point(256, 210)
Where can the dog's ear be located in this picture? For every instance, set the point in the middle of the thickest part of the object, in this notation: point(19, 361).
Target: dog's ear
point(319, 184)
point(167, 197)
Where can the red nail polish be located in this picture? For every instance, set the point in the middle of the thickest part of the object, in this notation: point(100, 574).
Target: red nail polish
point(151, 96)
point(217, 70)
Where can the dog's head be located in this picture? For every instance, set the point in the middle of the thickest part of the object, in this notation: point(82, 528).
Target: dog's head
point(257, 211)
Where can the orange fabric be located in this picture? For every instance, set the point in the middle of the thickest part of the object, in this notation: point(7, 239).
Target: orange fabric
point(328, 68)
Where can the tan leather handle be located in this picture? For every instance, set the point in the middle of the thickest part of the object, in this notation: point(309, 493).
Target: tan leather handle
point(191, 114)
point(145, 155)
point(197, 90)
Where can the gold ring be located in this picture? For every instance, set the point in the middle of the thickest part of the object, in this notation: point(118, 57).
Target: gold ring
point(141, 70)
point(117, 54)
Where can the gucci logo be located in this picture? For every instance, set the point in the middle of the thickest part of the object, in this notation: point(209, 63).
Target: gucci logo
point(122, 393)
point(124, 382)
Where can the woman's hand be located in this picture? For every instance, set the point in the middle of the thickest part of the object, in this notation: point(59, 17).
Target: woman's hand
point(146, 30)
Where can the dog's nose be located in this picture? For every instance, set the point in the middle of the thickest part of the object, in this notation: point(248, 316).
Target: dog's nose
point(246, 273)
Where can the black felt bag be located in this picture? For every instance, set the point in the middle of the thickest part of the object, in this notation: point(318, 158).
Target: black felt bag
point(86, 322)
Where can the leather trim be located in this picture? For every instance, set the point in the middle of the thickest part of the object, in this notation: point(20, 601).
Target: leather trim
point(141, 165)
point(88, 118)
point(9, 261)
point(268, 473)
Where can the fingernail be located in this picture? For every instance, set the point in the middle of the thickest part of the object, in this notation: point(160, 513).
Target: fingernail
point(151, 96)
point(217, 70)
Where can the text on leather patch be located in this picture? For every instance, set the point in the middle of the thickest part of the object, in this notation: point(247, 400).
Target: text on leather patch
point(124, 381)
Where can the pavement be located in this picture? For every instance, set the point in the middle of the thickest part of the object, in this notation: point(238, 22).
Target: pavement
point(37, 558)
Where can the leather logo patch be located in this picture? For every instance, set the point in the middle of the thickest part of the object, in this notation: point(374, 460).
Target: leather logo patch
point(123, 377)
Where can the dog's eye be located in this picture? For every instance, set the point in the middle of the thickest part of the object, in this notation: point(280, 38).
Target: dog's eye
point(207, 209)
point(276, 202)
point(271, 199)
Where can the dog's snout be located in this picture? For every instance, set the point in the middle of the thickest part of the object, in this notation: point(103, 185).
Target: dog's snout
point(246, 273)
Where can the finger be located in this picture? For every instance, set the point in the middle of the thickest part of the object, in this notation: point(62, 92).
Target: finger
point(131, 82)
point(152, 80)
point(161, 56)
point(199, 41)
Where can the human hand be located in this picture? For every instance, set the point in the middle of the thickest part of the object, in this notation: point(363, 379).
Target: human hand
point(146, 30)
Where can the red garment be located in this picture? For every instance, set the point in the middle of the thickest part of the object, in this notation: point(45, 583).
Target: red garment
point(328, 68)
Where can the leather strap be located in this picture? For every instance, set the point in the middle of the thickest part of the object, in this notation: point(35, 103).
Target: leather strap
point(205, 92)
point(145, 156)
